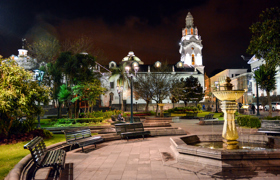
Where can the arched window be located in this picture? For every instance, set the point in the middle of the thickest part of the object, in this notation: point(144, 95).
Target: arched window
point(193, 61)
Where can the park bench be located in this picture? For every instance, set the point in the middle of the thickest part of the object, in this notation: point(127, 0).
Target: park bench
point(270, 127)
point(81, 137)
point(207, 117)
point(44, 158)
point(126, 130)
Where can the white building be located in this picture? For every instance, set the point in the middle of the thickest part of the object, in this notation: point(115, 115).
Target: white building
point(190, 64)
point(240, 79)
point(255, 63)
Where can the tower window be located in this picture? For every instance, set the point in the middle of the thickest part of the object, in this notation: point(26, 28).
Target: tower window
point(191, 31)
point(193, 61)
point(186, 31)
point(112, 85)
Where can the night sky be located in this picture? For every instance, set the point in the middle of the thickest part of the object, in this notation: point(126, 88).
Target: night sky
point(152, 29)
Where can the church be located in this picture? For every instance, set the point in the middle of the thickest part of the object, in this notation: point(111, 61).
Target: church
point(190, 64)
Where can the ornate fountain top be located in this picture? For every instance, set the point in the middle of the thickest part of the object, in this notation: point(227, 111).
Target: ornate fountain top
point(228, 94)
point(228, 85)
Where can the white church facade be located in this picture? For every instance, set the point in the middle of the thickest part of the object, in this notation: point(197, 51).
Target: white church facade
point(190, 64)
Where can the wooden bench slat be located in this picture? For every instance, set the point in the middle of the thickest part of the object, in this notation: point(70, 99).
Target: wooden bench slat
point(130, 129)
point(81, 137)
point(43, 158)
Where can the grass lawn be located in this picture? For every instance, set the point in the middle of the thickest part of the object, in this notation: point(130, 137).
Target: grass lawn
point(11, 154)
point(46, 123)
point(202, 114)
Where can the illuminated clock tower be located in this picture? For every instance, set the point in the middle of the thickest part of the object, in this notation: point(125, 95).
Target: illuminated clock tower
point(190, 46)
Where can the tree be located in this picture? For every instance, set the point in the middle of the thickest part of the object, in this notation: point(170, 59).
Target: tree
point(265, 78)
point(161, 84)
point(176, 90)
point(188, 89)
point(53, 75)
point(77, 68)
point(265, 41)
point(142, 87)
point(92, 92)
point(122, 79)
point(64, 96)
point(46, 49)
point(18, 95)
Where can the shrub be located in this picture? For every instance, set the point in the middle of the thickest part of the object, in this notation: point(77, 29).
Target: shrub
point(89, 120)
point(199, 107)
point(249, 121)
point(255, 122)
point(104, 115)
point(170, 110)
point(272, 118)
point(243, 120)
point(47, 133)
point(55, 117)
point(22, 126)
point(66, 121)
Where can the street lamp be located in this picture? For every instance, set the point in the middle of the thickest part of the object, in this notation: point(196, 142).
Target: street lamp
point(119, 90)
point(38, 75)
point(135, 67)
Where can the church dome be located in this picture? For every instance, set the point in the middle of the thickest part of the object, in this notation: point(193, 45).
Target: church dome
point(132, 57)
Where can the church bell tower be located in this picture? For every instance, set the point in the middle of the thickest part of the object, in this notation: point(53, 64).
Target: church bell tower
point(190, 46)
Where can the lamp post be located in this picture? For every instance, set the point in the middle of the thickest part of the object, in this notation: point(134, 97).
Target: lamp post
point(119, 90)
point(135, 67)
point(257, 91)
point(38, 75)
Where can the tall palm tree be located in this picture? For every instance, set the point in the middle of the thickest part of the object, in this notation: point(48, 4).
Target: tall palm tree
point(265, 78)
point(119, 73)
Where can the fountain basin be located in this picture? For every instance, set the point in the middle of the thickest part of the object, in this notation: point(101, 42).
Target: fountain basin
point(228, 95)
point(222, 160)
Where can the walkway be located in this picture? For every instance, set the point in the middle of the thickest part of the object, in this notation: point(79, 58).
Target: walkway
point(151, 158)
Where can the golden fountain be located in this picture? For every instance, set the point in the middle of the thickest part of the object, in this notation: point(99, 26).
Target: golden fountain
point(228, 97)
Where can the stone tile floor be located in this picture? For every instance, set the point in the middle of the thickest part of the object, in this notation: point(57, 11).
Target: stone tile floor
point(151, 158)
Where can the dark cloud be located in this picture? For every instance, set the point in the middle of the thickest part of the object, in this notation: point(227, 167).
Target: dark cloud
point(152, 29)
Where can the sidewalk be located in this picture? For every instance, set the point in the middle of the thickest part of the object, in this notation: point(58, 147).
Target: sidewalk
point(150, 158)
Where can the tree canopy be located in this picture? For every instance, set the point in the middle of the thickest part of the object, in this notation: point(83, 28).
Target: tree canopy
point(265, 78)
point(18, 95)
point(188, 89)
point(265, 41)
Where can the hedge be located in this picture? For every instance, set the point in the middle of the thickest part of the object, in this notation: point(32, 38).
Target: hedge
point(55, 116)
point(272, 118)
point(89, 120)
point(249, 121)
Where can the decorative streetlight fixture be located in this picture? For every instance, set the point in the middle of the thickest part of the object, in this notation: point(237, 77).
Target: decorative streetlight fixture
point(134, 67)
point(157, 64)
point(38, 75)
point(119, 90)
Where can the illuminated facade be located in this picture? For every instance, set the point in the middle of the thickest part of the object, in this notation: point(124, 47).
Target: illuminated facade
point(191, 46)
point(111, 97)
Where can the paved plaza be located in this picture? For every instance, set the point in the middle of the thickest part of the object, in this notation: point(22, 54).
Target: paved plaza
point(150, 158)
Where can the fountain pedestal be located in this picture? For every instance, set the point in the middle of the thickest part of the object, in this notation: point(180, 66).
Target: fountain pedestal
point(161, 109)
point(229, 107)
point(229, 134)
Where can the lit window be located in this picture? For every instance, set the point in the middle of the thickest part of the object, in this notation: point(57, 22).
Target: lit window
point(193, 61)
